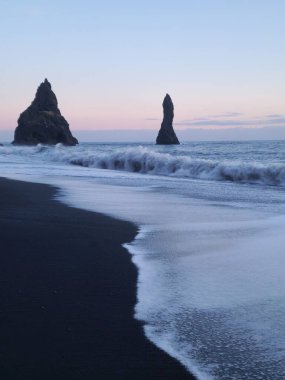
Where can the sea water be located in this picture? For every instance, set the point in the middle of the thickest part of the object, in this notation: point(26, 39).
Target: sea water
point(210, 249)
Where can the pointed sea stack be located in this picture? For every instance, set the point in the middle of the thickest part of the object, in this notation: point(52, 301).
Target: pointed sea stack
point(42, 121)
point(166, 134)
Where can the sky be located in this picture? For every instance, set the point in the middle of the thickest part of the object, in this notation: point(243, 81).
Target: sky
point(111, 63)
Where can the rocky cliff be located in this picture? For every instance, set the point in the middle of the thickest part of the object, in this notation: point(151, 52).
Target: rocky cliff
point(166, 134)
point(42, 121)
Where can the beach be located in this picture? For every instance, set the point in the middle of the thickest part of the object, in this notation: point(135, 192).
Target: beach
point(134, 262)
point(68, 291)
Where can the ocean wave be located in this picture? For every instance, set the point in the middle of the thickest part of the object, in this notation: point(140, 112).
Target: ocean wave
point(147, 161)
point(144, 160)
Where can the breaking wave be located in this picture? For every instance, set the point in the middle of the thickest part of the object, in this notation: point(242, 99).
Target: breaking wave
point(147, 161)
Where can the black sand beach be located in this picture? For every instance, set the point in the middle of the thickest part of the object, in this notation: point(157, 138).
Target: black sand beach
point(68, 291)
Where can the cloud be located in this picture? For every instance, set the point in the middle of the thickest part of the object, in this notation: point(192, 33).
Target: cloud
point(214, 123)
point(234, 119)
point(227, 114)
point(275, 115)
point(280, 120)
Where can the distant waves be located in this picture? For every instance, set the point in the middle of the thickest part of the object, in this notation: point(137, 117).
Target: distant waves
point(145, 160)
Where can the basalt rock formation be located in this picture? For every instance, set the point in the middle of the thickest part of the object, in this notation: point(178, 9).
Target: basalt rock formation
point(166, 134)
point(42, 121)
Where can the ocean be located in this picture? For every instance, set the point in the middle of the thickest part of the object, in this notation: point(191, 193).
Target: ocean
point(210, 249)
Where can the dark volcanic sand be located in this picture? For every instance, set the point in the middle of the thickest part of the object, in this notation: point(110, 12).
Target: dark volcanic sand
point(67, 294)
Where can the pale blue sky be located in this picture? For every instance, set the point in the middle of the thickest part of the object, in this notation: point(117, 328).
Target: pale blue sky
point(111, 63)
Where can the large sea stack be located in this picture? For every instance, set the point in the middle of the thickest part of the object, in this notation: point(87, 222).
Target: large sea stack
point(166, 134)
point(42, 121)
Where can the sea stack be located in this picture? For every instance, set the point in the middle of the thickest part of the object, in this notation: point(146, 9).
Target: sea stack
point(42, 121)
point(166, 134)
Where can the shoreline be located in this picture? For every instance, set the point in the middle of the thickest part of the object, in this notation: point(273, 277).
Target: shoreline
point(68, 293)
